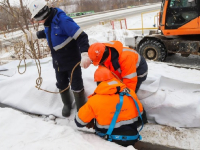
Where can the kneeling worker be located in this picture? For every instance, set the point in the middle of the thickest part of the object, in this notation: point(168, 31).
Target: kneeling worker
point(125, 62)
point(115, 109)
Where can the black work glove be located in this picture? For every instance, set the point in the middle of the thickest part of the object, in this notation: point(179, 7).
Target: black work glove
point(90, 124)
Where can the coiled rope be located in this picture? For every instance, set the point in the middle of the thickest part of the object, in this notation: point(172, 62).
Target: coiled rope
point(39, 80)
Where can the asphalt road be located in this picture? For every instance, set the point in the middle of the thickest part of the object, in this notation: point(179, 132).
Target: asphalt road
point(115, 14)
point(92, 19)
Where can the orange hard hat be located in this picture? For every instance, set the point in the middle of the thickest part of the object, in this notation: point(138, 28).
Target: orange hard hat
point(102, 74)
point(96, 52)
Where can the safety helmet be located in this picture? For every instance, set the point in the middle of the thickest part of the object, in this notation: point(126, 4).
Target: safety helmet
point(102, 74)
point(39, 9)
point(98, 53)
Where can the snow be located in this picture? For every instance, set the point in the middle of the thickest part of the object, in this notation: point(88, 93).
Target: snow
point(33, 133)
point(170, 95)
point(182, 138)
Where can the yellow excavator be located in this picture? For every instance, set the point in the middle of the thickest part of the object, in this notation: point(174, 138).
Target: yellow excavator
point(178, 31)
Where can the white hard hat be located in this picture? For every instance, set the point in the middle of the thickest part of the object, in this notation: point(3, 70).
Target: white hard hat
point(35, 6)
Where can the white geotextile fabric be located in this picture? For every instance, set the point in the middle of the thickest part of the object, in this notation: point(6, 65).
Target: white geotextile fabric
point(171, 102)
point(166, 100)
point(19, 91)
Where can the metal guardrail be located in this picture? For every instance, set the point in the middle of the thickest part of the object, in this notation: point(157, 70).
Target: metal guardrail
point(142, 19)
point(102, 12)
point(88, 21)
point(96, 13)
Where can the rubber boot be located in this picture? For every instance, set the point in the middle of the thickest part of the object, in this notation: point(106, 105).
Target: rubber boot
point(79, 99)
point(144, 119)
point(67, 101)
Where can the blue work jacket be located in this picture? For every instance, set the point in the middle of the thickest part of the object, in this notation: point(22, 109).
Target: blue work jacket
point(65, 39)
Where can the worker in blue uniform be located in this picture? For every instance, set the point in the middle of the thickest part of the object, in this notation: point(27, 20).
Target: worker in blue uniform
point(69, 45)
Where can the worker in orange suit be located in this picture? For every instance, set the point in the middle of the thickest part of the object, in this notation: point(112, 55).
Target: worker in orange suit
point(125, 62)
point(114, 108)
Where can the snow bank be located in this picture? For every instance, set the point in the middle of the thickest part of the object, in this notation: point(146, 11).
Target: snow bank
point(33, 133)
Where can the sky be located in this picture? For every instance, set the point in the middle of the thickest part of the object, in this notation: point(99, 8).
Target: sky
point(170, 96)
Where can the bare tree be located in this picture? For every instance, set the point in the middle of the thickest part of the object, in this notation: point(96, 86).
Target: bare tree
point(20, 15)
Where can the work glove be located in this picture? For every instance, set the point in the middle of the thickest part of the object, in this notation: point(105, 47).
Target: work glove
point(29, 36)
point(90, 124)
point(85, 60)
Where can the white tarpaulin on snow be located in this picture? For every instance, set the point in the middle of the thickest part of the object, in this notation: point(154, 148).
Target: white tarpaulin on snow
point(167, 100)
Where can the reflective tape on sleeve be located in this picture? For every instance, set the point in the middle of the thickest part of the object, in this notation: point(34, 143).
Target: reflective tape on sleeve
point(119, 70)
point(118, 124)
point(130, 50)
point(112, 82)
point(62, 44)
point(77, 33)
point(130, 76)
point(79, 120)
point(138, 62)
point(144, 74)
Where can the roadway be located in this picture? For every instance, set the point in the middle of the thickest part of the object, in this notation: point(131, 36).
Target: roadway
point(92, 19)
point(116, 14)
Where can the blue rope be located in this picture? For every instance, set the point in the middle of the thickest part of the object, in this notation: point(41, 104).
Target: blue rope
point(113, 122)
point(136, 104)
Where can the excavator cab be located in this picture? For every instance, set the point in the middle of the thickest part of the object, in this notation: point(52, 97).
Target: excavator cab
point(178, 32)
point(179, 15)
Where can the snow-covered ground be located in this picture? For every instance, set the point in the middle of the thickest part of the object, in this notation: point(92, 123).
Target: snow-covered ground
point(170, 95)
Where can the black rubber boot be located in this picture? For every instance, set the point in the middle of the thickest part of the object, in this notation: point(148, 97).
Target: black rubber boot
point(79, 99)
point(67, 101)
point(144, 119)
